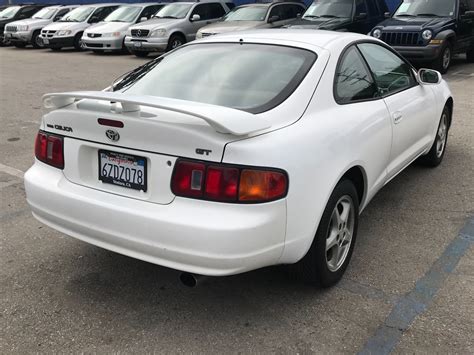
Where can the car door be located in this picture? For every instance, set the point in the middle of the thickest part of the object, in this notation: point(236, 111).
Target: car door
point(466, 25)
point(357, 94)
point(412, 106)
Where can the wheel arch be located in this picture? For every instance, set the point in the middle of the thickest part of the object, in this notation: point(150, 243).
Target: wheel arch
point(179, 33)
point(357, 175)
point(450, 105)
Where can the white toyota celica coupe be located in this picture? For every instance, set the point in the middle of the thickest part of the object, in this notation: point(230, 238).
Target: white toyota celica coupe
point(238, 151)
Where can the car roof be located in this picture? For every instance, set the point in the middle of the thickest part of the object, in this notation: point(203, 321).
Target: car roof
point(297, 37)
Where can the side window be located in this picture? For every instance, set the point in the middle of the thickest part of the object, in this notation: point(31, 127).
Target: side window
point(27, 12)
point(291, 11)
point(202, 10)
point(372, 8)
point(276, 11)
point(216, 10)
point(298, 9)
point(149, 11)
point(353, 81)
point(230, 5)
point(61, 13)
point(391, 73)
point(360, 7)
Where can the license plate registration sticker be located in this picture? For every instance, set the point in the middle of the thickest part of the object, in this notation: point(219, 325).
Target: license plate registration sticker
point(124, 170)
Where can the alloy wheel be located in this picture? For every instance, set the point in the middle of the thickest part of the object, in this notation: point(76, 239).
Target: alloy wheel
point(442, 135)
point(340, 232)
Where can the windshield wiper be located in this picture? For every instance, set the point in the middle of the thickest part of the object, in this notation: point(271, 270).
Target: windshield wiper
point(329, 16)
point(311, 16)
point(405, 15)
point(428, 15)
point(166, 16)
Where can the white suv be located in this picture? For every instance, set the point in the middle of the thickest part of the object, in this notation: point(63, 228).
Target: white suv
point(67, 32)
point(27, 31)
point(174, 25)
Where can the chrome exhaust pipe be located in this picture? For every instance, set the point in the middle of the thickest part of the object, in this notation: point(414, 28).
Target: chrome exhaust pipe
point(191, 280)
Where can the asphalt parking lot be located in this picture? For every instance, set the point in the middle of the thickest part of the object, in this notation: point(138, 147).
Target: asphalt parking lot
point(410, 286)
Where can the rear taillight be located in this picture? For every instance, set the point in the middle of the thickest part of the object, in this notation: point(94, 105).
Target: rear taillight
point(227, 183)
point(49, 149)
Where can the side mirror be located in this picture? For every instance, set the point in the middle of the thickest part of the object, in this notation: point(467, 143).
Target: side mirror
point(361, 16)
point(195, 17)
point(93, 20)
point(429, 77)
point(387, 15)
point(273, 19)
point(57, 18)
point(299, 14)
point(143, 19)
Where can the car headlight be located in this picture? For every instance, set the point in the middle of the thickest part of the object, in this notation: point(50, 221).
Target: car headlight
point(198, 35)
point(427, 35)
point(377, 33)
point(63, 32)
point(160, 32)
point(22, 28)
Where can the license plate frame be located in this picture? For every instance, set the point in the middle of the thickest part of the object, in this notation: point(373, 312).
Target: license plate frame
point(137, 44)
point(127, 160)
point(45, 41)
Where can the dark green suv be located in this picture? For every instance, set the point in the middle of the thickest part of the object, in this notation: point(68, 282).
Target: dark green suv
point(430, 31)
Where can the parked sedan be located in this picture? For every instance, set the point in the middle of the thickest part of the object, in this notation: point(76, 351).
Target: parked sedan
point(110, 34)
point(15, 13)
point(253, 16)
point(238, 151)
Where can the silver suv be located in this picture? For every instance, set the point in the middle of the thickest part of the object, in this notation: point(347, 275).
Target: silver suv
point(174, 25)
point(27, 31)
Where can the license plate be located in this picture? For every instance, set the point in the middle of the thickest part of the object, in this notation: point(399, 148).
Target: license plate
point(137, 44)
point(124, 170)
point(8, 35)
point(45, 41)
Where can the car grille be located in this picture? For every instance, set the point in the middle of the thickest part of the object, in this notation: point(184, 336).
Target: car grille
point(94, 45)
point(11, 28)
point(47, 34)
point(94, 35)
point(140, 33)
point(402, 38)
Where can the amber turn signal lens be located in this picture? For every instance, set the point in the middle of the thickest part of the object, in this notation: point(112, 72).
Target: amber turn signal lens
point(261, 185)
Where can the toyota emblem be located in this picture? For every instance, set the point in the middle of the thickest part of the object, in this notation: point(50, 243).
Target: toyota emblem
point(113, 135)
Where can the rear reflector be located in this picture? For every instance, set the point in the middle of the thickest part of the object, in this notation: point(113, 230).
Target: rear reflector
point(49, 149)
point(110, 123)
point(228, 183)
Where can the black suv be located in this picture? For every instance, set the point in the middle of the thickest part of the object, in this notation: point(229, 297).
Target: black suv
point(430, 31)
point(15, 13)
point(342, 15)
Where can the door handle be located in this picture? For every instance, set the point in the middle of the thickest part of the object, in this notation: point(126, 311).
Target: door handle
point(397, 117)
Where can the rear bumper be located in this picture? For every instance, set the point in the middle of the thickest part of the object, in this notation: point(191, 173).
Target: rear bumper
point(148, 44)
point(102, 43)
point(420, 54)
point(195, 236)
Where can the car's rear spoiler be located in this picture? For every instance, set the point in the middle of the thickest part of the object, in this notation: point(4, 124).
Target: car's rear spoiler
point(222, 119)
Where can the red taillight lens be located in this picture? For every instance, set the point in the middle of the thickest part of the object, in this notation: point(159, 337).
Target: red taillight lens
point(49, 149)
point(220, 182)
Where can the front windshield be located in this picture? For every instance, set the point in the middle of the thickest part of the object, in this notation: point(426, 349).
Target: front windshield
point(434, 8)
point(9, 12)
point(123, 14)
point(45, 13)
point(175, 10)
point(247, 13)
point(329, 9)
point(251, 77)
point(77, 15)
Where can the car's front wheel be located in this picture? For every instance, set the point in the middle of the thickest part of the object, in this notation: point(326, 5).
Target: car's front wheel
point(331, 250)
point(175, 41)
point(36, 40)
point(443, 62)
point(436, 154)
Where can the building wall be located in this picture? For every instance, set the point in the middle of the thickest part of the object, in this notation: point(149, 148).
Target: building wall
point(392, 4)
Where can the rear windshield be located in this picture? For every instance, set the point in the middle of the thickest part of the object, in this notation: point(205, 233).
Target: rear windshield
point(250, 77)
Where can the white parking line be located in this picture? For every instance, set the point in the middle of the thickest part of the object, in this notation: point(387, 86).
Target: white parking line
point(11, 171)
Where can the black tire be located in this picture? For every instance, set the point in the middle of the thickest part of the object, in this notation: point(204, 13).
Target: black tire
point(470, 56)
point(140, 54)
point(20, 45)
point(435, 155)
point(443, 62)
point(36, 41)
point(175, 41)
point(78, 41)
point(314, 268)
